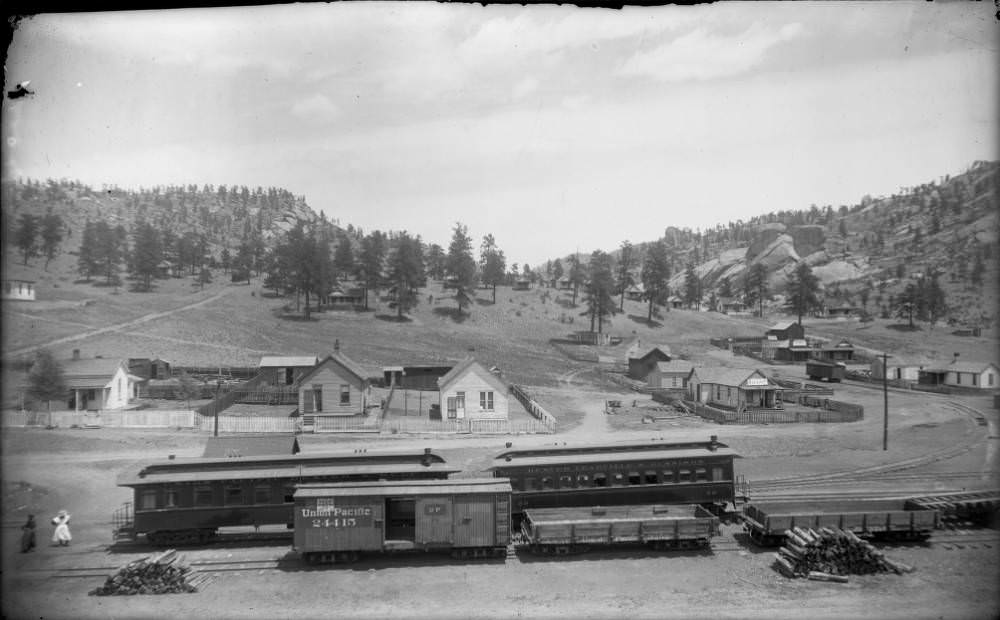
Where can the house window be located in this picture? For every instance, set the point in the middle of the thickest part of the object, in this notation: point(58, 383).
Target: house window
point(289, 376)
point(619, 479)
point(991, 378)
point(460, 399)
point(345, 395)
point(172, 498)
point(234, 495)
point(318, 397)
point(203, 496)
point(974, 382)
point(546, 483)
point(532, 484)
point(262, 494)
point(148, 500)
point(958, 378)
point(289, 495)
point(486, 401)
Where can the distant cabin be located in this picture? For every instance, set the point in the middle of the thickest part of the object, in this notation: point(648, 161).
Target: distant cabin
point(19, 290)
point(788, 330)
point(565, 284)
point(672, 375)
point(899, 369)
point(522, 284)
point(635, 292)
point(843, 351)
point(156, 369)
point(797, 350)
point(284, 369)
point(841, 312)
point(980, 375)
point(642, 362)
point(344, 297)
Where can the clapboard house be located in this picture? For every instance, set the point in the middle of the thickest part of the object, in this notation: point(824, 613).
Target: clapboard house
point(96, 384)
point(979, 375)
point(336, 386)
point(672, 375)
point(471, 391)
point(737, 389)
point(787, 330)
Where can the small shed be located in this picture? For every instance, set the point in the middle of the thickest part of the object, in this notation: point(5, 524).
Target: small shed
point(235, 446)
point(899, 369)
point(642, 361)
point(675, 302)
point(843, 351)
point(18, 290)
point(787, 330)
point(797, 350)
point(145, 368)
point(565, 284)
point(344, 297)
point(471, 391)
point(522, 284)
point(284, 369)
point(841, 312)
point(635, 292)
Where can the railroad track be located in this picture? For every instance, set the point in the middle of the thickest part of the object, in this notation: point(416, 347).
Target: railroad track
point(877, 472)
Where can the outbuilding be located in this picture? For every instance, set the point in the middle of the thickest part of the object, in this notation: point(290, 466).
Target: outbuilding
point(734, 388)
point(471, 391)
point(982, 375)
point(284, 369)
point(843, 351)
point(787, 330)
point(899, 368)
point(18, 290)
point(641, 361)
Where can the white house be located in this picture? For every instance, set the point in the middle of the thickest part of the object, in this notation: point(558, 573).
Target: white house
point(984, 375)
point(19, 290)
point(470, 391)
point(903, 369)
point(336, 386)
point(98, 383)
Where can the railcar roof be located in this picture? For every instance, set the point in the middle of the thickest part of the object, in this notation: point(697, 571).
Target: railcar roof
point(415, 487)
point(265, 460)
point(608, 457)
point(607, 448)
point(552, 516)
point(139, 477)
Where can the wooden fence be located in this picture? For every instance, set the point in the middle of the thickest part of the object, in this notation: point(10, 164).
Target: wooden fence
point(828, 411)
point(136, 418)
point(532, 407)
point(347, 424)
point(242, 424)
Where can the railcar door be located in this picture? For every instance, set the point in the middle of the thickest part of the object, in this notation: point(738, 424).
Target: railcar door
point(474, 521)
point(400, 517)
point(433, 515)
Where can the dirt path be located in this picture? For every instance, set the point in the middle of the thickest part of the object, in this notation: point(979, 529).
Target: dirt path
point(120, 326)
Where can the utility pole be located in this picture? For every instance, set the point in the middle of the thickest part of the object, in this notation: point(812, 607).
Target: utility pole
point(218, 385)
point(885, 401)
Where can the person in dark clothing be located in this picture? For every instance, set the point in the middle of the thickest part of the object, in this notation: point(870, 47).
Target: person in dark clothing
point(28, 535)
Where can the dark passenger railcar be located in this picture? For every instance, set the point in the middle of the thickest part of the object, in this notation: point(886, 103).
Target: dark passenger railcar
point(650, 472)
point(185, 501)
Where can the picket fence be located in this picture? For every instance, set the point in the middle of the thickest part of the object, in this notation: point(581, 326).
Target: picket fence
point(532, 406)
point(142, 418)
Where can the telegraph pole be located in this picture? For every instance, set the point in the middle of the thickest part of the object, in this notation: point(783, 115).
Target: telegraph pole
point(218, 385)
point(885, 401)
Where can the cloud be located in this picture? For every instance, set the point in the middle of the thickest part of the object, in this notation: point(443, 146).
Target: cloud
point(701, 55)
point(525, 87)
point(318, 108)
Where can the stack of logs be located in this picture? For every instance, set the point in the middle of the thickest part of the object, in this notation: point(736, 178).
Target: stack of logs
point(829, 554)
point(159, 574)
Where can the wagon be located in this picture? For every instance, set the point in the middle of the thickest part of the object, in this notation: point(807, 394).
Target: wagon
point(340, 522)
point(566, 530)
point(898, 519)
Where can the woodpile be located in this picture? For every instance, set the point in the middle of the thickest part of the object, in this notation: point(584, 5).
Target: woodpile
point(160, 574)
point(829, 554)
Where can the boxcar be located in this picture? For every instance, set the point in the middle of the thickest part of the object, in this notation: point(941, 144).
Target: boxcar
point(186, 501)
point(767, 522)
point(631, 473)
point(566, 530)
point(834, 372)
point(339, 522)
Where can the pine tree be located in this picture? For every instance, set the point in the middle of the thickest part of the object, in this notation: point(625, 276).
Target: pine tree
point(460, 265)
point(492, 263)
point(576, 275)
point(803, 290)
point(370, 262)
point(86, 262)
point(655, 276)
point(25, 237)
point(146, 254)
point(343, 257)
point(46, 381)
point(406, 272)
point(599, 289)
point(692, 295)
point(51, 234)
point(626, 260)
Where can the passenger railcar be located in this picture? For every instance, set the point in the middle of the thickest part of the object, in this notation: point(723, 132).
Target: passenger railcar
point(650, 472)
point(339, 522)
point(186, 501)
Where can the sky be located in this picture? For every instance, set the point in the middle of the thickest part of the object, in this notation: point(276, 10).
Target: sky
point(555, 129)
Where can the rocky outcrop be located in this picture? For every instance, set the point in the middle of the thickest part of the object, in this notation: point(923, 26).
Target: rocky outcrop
point(777, 254)
point(763, 237)
point(807, 238)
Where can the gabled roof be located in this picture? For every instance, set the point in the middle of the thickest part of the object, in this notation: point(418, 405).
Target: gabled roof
point(341, 360)
point(250, 445)
point(285, 361)
point(725, 376)
point(973, 367)
point(646, 352)
point(465, 366)
point(781, 326)
point(675, 366)
point(97, 367)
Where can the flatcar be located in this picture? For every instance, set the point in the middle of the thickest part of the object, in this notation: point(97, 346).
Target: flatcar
point(834, 372)
point(338, 522)
point(649, 472)
point(186, 501)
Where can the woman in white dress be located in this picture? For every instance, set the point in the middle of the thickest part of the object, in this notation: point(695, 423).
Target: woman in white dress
point(61, 535)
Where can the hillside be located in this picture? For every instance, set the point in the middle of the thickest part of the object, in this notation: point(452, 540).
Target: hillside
point(863, 254)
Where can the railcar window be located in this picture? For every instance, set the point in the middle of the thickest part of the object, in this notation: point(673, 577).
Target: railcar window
point(634, 478)
point(234, 495)
point(148, 500)
point(717, 474)
point(668, 476)
point(600, 480)
point(532, 484)
point(650, 477)
point(684, 476)
point(203, 496)
point(619, 479)
point(582, 480)
point(700, 474)
point(262, 494)
point(289, 495)
point(547, 483)
point(565, 482)
point(172, 498)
